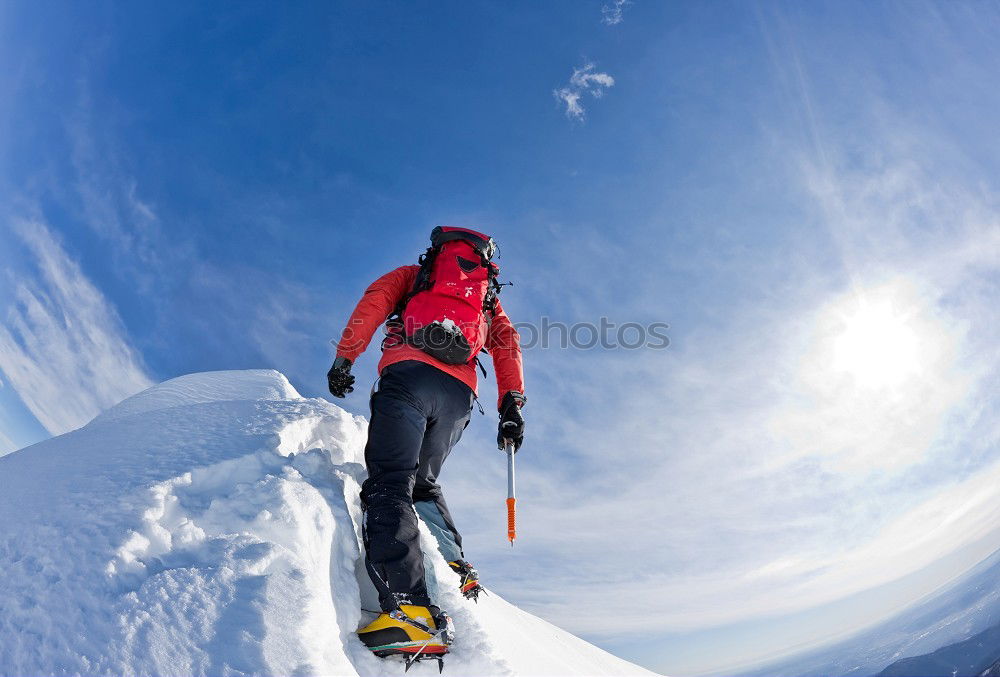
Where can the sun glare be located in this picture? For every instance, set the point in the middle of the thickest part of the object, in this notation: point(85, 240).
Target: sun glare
point(877, 347)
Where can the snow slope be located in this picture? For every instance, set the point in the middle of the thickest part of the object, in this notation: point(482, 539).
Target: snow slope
point(209, 526)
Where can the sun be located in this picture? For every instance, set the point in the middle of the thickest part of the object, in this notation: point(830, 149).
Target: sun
point(877, 345)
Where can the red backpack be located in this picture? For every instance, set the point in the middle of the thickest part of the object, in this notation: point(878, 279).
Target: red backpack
point(448, 313)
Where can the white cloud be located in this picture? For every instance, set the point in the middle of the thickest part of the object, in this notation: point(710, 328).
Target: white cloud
point(585, 80)
point(572, 101)
point(611, 15)
point(62, 345)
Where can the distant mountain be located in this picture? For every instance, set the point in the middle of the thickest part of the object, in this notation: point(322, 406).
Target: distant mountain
point(954, 614)
point(992, 671)
point(975, 656)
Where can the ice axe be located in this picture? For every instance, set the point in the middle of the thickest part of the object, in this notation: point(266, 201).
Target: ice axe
point(511, 528)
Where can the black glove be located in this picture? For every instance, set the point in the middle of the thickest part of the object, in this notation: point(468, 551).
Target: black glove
point(339, 378)
point(511, 421)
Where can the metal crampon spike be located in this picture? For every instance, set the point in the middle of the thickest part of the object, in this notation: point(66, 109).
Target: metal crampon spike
point(418, 658)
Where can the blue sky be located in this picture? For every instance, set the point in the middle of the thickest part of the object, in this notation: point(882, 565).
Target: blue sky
point(806, 193)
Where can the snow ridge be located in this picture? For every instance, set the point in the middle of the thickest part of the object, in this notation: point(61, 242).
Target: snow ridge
point(209, 526)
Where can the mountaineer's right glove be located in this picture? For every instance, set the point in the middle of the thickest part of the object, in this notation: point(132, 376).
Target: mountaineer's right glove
point(511, 421)
point(339, 378)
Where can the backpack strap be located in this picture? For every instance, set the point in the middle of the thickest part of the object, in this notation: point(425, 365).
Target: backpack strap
point(420, 283)
point(479, 363)
point(492, 290)
point(394, 321)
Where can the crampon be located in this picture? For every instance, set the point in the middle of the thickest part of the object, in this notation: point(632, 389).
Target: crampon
point(416, 633)
point(469, 586)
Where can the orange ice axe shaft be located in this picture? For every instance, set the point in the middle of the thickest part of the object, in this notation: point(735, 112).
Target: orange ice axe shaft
point(511, 524)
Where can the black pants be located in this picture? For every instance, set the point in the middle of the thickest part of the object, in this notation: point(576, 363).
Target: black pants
point(418, 415)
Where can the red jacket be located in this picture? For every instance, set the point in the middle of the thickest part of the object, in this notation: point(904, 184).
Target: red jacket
point(503, 342)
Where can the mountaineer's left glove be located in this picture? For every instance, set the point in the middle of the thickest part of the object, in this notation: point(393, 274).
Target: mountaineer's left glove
point(339, 378)
point(511, 421)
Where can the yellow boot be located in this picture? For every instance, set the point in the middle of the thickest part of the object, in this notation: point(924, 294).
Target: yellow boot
point(414, 631)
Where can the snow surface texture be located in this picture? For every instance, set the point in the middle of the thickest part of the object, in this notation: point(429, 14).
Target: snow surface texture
point(210, 526)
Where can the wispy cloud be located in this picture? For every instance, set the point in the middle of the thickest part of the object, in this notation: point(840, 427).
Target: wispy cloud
point(62, 345)
point(834, 437)
point(612, 14)
point(109, 200)
point(237, 304)
point(585, 80)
